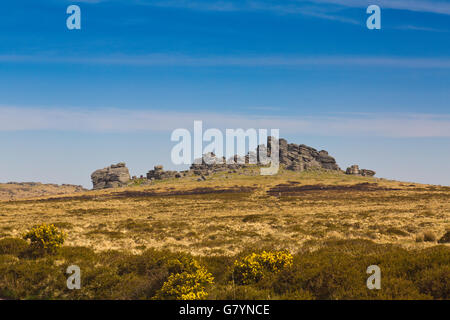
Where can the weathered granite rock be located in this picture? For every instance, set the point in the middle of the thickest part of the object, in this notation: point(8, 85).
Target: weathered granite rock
point(158, 173)
point(302, 157)
point(354, 170)
point(210, 163)
point(114, 176)
point(291, 156)
point(367, 172)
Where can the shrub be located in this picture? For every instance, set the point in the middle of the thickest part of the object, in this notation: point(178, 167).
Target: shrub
point(336, 270)
point(399, 289)
point(324, 275)
point(45, 238)
point(30, 279)
point(253, 267)
point(429, 236)
point(445, 238)
point(187, 285)
point(182, 264)
point(12, 246)
point(98, 283)
point(81, 256)
point(299, 294)
point(246, 292)
point(155, 267)
point(436, 282)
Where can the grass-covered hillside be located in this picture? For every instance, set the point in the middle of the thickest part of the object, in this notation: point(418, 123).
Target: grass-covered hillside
point(308, 235)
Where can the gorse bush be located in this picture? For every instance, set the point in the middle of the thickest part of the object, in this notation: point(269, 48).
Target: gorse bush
point(338, 271)
point(166, 275)
point(333, 270)
point(182, 264)
point(187, 285)
point(45, 238)
point(253, 267)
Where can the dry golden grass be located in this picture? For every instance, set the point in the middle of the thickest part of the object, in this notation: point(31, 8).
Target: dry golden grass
point(26, 190)
point(227, 213)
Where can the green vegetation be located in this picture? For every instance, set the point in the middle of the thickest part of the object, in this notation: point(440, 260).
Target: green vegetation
point(334, 269)
point(256, 266)
point(296, 235)
point(187, 285)
point(45, 238)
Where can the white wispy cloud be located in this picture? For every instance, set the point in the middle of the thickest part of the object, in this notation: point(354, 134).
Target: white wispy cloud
point(322, 9)
point(230, 61)
point(431, 6)
point(292, 6)
point(305, 8)
point(114, 120)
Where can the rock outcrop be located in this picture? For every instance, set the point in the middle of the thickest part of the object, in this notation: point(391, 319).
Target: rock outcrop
point(354, 170)
point(292, 156)
point(158, 173)
point(301, 157)
point(114, 176)
point(210, 163)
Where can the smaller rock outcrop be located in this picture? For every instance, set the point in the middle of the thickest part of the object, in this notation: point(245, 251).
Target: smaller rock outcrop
point(158, 173)
point(210, 163)
point(354, 170)
point(367, 173)
point(114, 176)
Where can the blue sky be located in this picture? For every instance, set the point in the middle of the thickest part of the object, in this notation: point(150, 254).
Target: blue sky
point(72, 101)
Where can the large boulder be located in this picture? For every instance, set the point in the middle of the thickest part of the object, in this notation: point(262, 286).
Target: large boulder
point(114, 176)
point(354, 170)
point(367, 172)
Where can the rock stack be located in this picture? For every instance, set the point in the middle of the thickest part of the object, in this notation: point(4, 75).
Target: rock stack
point(158, 173)
point(292, 156)
point(114, 176)
point(208, 164)
point(354, 170)
point(301, 157)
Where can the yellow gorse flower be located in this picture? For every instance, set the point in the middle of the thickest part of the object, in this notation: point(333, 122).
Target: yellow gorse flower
point(253, 267)
point(46, 238)
point(187, 285)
